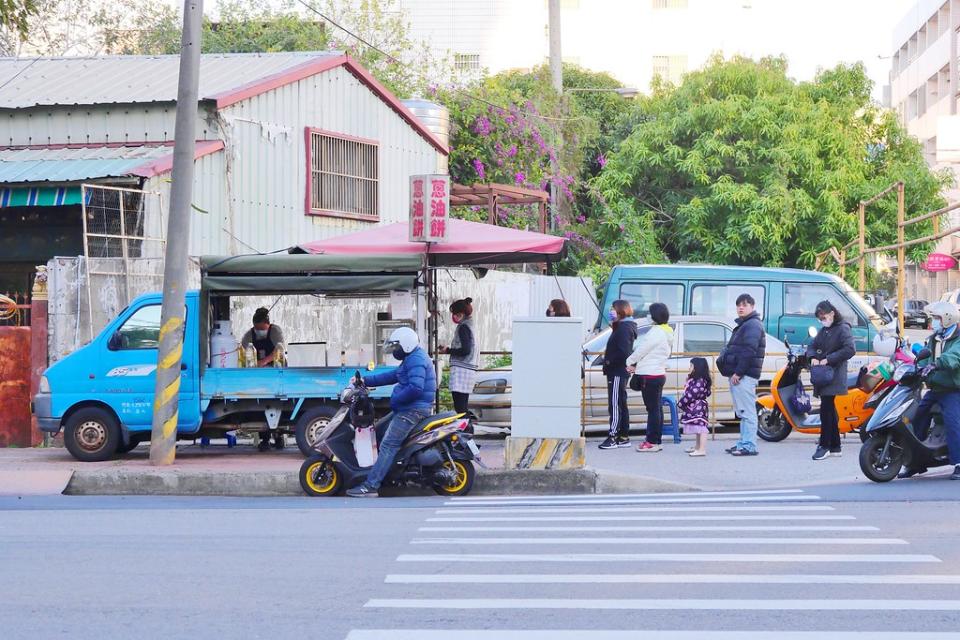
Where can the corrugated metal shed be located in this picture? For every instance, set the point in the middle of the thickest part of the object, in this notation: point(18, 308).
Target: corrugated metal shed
point(30, 82)
point(73, 164)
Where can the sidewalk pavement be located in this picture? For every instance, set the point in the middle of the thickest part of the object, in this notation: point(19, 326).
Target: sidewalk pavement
point(244, 471)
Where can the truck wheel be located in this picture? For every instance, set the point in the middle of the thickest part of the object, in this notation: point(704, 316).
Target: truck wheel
point(130, 446)
point(772, 426)
point(309, 425)
point(92, 435)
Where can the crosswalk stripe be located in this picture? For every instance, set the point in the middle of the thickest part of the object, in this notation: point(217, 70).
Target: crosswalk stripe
point(574, 518)
point(470, 505)
point(788, 528)
point(673, 578)
point(629, 509)
point(665, 604)
point(593, 634)
point(660, 540)
point(668, 557)
point(600, 496)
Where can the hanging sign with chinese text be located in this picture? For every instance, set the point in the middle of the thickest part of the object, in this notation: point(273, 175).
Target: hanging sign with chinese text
point(429, 208)
point(939, 262)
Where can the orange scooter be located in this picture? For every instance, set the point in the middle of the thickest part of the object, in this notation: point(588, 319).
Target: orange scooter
point(777, 416)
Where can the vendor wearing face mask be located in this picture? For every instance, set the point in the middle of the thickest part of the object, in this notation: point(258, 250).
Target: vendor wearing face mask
point(264, 337)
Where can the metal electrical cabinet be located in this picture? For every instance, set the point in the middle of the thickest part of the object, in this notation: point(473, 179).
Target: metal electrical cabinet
point(547, 364)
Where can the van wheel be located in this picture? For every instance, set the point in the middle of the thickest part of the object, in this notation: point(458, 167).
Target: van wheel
point(309, 425)
point(130, 446)
point(771, 424)
point(92, 435)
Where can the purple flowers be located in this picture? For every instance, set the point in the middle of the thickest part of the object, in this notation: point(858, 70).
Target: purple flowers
point(519, 178)
point(479, 168)
point(601, 160)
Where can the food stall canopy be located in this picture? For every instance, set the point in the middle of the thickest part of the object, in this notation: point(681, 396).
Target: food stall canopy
point(468, 243)
point(304, 273)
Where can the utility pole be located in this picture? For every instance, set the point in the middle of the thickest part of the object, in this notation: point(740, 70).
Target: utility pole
point(163, 438)
point(556, 77)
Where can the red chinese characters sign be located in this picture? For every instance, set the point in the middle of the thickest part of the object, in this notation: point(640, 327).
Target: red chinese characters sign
point(939, 262)
point(429, 208)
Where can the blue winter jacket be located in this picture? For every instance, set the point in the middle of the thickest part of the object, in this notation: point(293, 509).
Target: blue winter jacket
point(415, 380)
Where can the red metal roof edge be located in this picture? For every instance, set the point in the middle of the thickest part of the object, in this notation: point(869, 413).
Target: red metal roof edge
point(164, 164)
point(320, 65)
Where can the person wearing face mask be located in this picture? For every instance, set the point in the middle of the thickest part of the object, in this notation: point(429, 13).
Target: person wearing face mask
point(464, 354)
point(415, 385)
point(265, 338)
point(944, 382)
point(558, 309)
point(619, 347)
point(833, 346)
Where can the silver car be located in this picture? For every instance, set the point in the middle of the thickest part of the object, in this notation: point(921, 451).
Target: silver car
point(693, 336)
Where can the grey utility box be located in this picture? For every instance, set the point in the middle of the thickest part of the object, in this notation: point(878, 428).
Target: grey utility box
point(546, 377)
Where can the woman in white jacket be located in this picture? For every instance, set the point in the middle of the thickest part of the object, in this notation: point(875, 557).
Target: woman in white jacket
point(649, 363)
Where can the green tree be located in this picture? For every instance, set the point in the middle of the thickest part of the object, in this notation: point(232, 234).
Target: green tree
point(15, 15)
point(742, 165)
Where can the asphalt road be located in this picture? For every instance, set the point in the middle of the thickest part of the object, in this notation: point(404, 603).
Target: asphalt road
point(818, 561)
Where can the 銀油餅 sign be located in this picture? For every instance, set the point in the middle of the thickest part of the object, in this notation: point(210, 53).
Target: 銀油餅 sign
point(938, 262)
point(429, 208)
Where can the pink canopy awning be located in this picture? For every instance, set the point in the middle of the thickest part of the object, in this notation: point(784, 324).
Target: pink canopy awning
point(468, 243)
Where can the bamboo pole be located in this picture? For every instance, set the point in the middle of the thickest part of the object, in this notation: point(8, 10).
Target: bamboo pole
point(868, 202)
point(901, 256)
point(862, 241)
point(933, 214)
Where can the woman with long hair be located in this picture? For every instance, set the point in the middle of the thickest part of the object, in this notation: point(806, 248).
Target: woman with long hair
point(619, 345)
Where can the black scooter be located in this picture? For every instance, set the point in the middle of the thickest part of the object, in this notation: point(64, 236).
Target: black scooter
point(438, 453)
point(891, 440)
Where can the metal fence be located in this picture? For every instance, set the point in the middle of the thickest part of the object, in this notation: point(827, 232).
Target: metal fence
point(14, 309)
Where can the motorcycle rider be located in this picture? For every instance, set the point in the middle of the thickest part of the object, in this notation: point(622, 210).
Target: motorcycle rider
point(944, 382)
point(411, 401)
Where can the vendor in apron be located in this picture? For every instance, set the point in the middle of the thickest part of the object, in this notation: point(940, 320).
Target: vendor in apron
point(265, 338)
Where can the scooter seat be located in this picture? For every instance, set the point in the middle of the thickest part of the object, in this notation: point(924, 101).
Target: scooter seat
point(430, 421)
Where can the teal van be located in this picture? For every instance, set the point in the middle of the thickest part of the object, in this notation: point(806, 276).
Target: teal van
point(785, 298)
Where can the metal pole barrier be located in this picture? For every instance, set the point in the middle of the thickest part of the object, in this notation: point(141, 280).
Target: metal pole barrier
point(901, 256)
point(163, 438)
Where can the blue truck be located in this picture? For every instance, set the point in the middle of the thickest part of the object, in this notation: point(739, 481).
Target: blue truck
point(102, 395)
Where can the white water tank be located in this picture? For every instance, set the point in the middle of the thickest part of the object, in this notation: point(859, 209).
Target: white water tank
point(223, 346)
point(436, 118)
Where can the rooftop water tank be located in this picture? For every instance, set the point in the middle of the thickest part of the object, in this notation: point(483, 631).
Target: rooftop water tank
point(436, 118)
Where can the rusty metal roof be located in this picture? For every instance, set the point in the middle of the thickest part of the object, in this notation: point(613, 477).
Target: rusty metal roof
point(31, 82)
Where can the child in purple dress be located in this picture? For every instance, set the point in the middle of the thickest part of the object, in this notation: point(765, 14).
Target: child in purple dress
point(693, 405)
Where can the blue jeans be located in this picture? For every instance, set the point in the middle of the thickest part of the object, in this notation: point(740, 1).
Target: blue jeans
point(400, 427)
point(949, 402)
point(745, 405)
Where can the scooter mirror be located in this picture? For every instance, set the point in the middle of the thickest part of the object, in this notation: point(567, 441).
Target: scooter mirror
point(812, 332)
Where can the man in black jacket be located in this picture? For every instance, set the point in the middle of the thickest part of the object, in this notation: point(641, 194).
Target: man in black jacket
point(742, 361)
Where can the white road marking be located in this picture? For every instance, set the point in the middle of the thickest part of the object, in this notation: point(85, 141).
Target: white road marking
point(573, 518)
point(593, 634)
point(787, 528)
point(660, 540)
point(629, 509)
point(470, 505)
point(602, 496)
point(667, 557)
point(665, 604)
point(657, 578)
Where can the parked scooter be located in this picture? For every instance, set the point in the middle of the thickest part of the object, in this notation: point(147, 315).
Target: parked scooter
point(438, 453)
point(891, 440)
point(778, 414)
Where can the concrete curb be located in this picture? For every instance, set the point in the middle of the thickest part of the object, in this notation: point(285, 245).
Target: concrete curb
point(180, 482)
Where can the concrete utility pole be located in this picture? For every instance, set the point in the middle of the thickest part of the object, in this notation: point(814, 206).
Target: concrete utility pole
point(556, 61)
point(163, 439)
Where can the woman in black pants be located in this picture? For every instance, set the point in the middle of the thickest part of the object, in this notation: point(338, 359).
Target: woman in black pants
point(648, 362)
point(619, 346)
point(833, 347)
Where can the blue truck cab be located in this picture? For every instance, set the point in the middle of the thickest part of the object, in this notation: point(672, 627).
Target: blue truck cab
point(102, 395)
point(786, 298)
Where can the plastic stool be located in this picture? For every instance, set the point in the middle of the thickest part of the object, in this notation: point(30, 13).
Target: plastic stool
point(674, 426)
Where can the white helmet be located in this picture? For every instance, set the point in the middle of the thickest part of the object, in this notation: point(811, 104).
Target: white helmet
point(945, 310)
point(405, 338)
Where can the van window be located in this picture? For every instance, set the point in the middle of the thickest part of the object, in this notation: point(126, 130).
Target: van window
point(800, 299)
point(721, 299)
point(140, 331)
point(642, 295)
point(704, 337)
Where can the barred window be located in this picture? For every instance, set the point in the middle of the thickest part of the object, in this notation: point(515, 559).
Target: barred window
point(466, 61)
point(344, 176)
point(669, 4)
